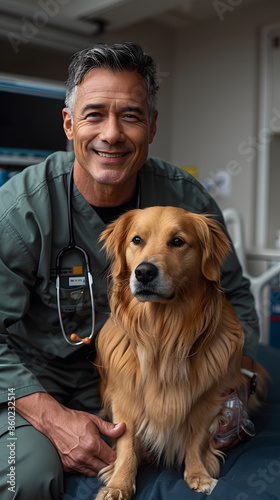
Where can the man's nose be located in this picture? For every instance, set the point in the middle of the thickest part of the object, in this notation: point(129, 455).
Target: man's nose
point(112, 131)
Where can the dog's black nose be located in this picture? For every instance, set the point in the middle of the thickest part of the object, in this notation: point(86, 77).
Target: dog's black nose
point(146, 272)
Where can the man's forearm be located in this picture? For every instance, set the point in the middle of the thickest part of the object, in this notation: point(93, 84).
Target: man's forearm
point(39, 409)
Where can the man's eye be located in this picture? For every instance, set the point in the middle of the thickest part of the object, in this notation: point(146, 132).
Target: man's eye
point(177, 242)
point(93, 115)
point(137, 240)
point(130, 117)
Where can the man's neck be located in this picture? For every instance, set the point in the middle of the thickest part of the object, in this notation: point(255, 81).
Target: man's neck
point(104, 195)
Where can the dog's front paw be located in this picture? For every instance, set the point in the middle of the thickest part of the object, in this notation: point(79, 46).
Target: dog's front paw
point(106, 473)
point(113, 494)
point(201, 482)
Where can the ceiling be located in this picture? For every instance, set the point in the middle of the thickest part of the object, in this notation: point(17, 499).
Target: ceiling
point(69, 25)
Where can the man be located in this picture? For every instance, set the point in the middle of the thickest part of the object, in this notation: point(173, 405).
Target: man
point(111, 117)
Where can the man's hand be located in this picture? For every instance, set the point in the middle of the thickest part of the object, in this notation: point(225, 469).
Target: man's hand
point(75, 434)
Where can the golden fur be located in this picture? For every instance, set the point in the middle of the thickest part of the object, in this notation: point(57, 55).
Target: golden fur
point(171, 347)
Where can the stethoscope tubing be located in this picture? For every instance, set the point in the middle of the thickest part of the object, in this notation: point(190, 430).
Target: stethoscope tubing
point(72, 246)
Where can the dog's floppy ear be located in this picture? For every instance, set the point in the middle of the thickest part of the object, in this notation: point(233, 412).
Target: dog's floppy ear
point(215, 246)
point(115, 237)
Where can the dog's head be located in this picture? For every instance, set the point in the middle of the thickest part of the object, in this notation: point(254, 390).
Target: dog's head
point(161, 251)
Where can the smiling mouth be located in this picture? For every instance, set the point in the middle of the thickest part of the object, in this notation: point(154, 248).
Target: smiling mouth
point(110, 155)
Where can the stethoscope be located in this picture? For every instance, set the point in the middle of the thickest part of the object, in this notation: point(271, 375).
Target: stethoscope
point(74, 338)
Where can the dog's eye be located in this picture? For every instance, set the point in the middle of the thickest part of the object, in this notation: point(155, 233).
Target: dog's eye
point(177, 242)
point(137, 240)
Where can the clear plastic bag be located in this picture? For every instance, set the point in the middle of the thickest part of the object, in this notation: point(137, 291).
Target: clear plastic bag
point(236, 414)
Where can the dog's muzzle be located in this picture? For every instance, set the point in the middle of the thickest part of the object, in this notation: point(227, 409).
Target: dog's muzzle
point(148, 284)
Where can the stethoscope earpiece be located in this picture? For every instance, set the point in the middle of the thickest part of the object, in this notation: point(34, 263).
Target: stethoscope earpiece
point(75, 338)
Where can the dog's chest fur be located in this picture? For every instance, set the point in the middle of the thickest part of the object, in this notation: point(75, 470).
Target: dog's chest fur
point(165, 404)
point(156, 383)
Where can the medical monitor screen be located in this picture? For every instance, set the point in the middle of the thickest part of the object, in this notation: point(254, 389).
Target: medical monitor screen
point(31, 119)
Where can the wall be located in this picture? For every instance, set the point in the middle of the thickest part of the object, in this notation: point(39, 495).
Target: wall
point(215, 98)
point(34, 61)
point(274, 219)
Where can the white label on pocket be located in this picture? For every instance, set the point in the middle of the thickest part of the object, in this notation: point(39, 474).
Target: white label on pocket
point(79, 281)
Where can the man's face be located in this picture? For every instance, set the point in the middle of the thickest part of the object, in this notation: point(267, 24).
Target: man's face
point(110, 128)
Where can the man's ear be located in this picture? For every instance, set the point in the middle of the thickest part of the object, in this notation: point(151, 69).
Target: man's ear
point(67, 124)
point(153, 127)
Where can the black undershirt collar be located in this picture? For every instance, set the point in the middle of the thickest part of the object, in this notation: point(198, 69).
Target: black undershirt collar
point(109, 214)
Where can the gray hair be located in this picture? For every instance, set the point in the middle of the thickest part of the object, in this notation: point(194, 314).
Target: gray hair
point(118, 57)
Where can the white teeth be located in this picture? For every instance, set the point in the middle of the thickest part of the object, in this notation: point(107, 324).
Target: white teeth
point(110, 155)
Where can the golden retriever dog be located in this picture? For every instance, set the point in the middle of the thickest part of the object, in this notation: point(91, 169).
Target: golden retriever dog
point(171, 347)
